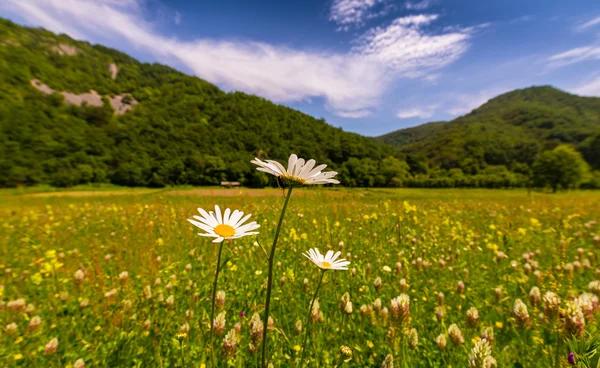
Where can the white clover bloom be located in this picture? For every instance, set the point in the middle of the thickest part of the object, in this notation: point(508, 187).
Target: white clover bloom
point(298, 173)
point(229, 225)
point(328, 261)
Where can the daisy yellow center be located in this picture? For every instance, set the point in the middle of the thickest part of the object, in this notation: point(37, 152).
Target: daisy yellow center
point(224, 231)
point(325, 264)
point(292, 179)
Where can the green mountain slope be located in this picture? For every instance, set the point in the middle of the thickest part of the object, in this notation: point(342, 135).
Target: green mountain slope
point(175, 129)
point(507, 130)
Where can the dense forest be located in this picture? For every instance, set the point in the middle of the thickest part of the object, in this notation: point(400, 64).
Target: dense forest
point(169, 128)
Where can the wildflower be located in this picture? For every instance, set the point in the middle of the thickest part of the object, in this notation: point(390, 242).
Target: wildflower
point(35, 322)
point(401, 308)
point(188, 267)
point(50, 347)
point(398, 267)
point(147, 324)
point(441, 298)
point(148, 292)
point(388, 362)
point(440, 312)
point(571, 358)
point(440, 341)
point(84, 303)
point(271, 322)
point(124, 276)
point(220, 299)
point(377, 284)
point(11, 328)
point(229, 225)
point(413, 338)
point(314, 313)
point(344, 301)
point(189, 314)
point(298, 172)
point(480, 355)
point(551, 304)
point(455, 334)
point(64, 295)
point(384, 315)
point(594, 287)
point(328, 262)
point(170, 300)
point(574, 318)
point(30, 308)
point(110, 294)
point(184, 328)
point(488, 334)
point(588, 303)
point(535, 295)
point(256, 328)
point(346, 351)
point(348, 308)
point(521, 313)
point(16, 305)
point(403, 285)
point(472, 317)
point(79, 276)
point(158, 281)
point(79, 363)
point(305, 285)
point(298, 327)
point(229, 342)
point(460, 287)
point(377, 304)
point(363, 310)
point(219, 324)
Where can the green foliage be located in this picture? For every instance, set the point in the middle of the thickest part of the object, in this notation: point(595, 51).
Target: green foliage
point(563, 167)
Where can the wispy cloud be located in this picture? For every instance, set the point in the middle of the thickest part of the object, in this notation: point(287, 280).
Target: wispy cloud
point(589, 24)
point(575, 55)
point(423, 112)
point(352, 83)
point(462, 104)
point(353, 13)
point(408, 48)
point(590, 88)
point(418, 5)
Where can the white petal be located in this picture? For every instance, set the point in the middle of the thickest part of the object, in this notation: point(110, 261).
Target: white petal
point(226, 216)
point(292, 163)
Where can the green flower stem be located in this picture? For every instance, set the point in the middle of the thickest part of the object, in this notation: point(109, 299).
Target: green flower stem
point(312, 302)
point(270, 279)
point(212, 309)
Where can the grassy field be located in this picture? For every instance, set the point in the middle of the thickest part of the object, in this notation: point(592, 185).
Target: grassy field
point(120, 278)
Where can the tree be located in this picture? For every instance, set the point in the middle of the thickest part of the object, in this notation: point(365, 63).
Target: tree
point(562, 167)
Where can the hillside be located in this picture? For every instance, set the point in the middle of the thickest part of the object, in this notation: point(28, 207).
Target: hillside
point(508, 130)
point(72, 113)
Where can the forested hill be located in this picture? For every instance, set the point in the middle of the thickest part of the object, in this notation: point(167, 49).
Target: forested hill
point(509, 130)
point(72, 112)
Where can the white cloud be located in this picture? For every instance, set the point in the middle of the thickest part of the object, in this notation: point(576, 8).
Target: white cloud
point(352, 84)
point(409, 49)
point(591, 88)
point(575, 55)
point(348, 13)
point(177, 18)
point(465, 103)
point(418, 5)
point(589, 24)
point(424, 112)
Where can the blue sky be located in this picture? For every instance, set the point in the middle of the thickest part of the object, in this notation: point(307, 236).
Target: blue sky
point(368, 66)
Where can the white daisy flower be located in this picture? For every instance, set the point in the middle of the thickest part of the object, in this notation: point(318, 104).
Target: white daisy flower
point(328, 261)
point(298, 173)
point(229, 225)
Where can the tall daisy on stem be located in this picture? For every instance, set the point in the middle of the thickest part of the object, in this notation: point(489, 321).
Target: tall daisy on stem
point(226, 226)
point(298, 173)
point(325, 262)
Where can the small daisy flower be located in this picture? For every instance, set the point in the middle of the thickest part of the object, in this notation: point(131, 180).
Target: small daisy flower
point(298, 173)
point(328, 261)
point(226, 225)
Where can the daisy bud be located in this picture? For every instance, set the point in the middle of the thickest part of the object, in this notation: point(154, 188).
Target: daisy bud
point(79, 363)
point(535, 295)
point(488, 334)
point(403, 285)
point(521, 313)
point(341, 245)
point(348, 256)
point(50, 347)
point(353, 271)
point(456, 335)
point(398, 267)
point(348, 308)
point(440, 341)
point(219, 324)
point(79, 276)
point(480, 355)
point(11, 328)
point(314, 313)
point(574, 318)
point(345, 299)
point(188, 267)
point(220, 299)
point(229, 342)
point(256, 328)
point(419, 263)
point(305, 285)
point(158, 259)
point(413, 338)
point(35, 322)
point(298, 327)
point(377, 304)
point(551, 305)
point(441, 298)
point(580, 252)
point(440, 312)
point(282, 280)
point(472, 317)
point(170, 301)
point(460, 287)
point(388, 362)
point(377, 284)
